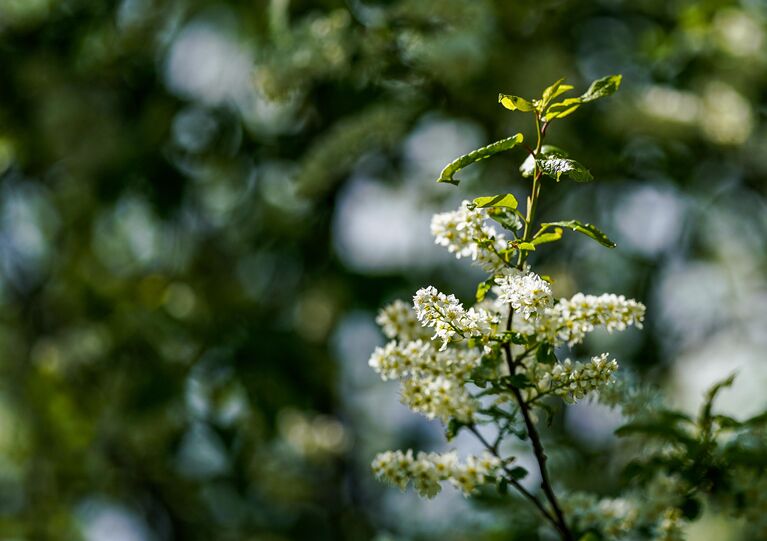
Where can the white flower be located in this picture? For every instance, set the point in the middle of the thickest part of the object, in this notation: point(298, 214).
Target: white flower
point(526, 292)
point(464, 234)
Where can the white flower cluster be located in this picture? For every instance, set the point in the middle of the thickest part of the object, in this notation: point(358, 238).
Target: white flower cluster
point(572, 381)
point(397, 320)
point(526, 292)
point(464, 234)
point(439, 397)
point(432, 381)
point(569, 320)
point(615, 517)
point(397, 360)
point(447, 316)
point(653, 508)
point(427, 470)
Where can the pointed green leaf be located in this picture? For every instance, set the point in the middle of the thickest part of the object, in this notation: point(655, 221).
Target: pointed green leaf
point(529, 246)
point(543, 238)
point(515, 103)
point(510, 219)
point(517, 473)
point(559, 168)
point(476, 155)
point(505, 200)
point(606, 86)
point(600, 88)
point(547, 151)
point(555, 90)
point(483, 288)
point(503, 486)
point(587, 229)
point(545, 354)
point(562, 109)
point(518, 381)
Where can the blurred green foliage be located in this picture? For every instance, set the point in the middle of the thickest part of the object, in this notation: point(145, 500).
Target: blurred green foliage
point(172, 283)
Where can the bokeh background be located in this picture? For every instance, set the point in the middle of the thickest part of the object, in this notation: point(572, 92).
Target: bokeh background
point(203, 203)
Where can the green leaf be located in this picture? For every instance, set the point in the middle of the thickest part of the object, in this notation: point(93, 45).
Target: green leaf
point(555, 90)
point(547, 151)
point(590, 536)
point(545, 354)
point(600, 88)
point(562, 109)
point(476, 155)
point(708, 404)
point(509, 219)
point(483, 288)
point(505, 200)
point(548, 237)
point(659, 429)
point(453, 427)
point(585, 228)
point(558, 168)
point(517, 473)
point(519, 381)
point(515, 103)
point(529, 246)
point(503, 486)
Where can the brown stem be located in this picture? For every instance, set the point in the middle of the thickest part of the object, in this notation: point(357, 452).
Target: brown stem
point(540, 456)
point(535, 439)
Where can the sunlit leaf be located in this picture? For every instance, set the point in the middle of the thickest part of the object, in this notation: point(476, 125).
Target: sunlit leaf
point(509, 218)
point(547, 151)
point(483, 288)
point(505, 200)
point(515, 103)
point(587, 229)
point(600, 88)
point(606, 86)
point(559, 168)
point(552, 236)
point(476, 155)
point(555, 90)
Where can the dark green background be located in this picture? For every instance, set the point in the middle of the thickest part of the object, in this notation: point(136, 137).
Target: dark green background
point(175, 276)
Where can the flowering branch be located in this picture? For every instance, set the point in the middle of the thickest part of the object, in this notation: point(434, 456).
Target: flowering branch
point(505, 347)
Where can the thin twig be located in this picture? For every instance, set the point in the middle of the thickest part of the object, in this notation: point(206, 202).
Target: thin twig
point(513, 482)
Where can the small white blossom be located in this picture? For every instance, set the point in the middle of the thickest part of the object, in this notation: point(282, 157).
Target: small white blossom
point(464, 234)
point(526, 292)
